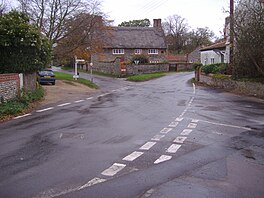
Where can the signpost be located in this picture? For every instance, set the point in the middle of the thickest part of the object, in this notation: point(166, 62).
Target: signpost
point(91, 64)
point(76, 73)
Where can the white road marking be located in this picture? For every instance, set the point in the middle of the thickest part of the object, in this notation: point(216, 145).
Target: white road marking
point(194, 120)
point(47, 109)
point(192, 125)
point(64, 104)
point(133, 156)
point(173, 124)
point(157, 137)
point(102, 95)
point(92, 182)
point(22, 116)
point(112, 170)
point(193, 88)
point(147, 146)
point(186, 131)
point(163, 158)
point(227, 125)
point(166, 130)
point(90, 98)
point(173, 148)
point(178, 119)
point(78, 101)
point(180, 139)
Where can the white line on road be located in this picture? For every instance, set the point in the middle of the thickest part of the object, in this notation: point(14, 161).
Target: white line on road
point(163, 158)
point(112, 170)
point(102, 95)
point(22, 116)
point(147, 146)
point(166, 130)
point(90, 98)
point(180, 139)
point(192, 125)
point(194, 120)
point(78, 101)
point(178, 119)
point(157, 137)
point(173, 148)
point(133, 156)
point(173, 124)
point(186, 131)
point(64, 104)
point(92, 182)
point(193, 88)
point(226, 125)
point(47, 109)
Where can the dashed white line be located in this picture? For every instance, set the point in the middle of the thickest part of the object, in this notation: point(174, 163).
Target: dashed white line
point(22, 116)
point(78, 101)
point(193, 88)
point(173, 124)
point(47, 109)
point(133, 156)
point(147, 146)
point(90, 98)
point(194, 120)
point(186, 131)
point(102, 95)
point(163, 158)
point(157, 137)
point(166, 130)
point(173, 148)
point(180, 139)
point(114, 169)
point(178, 119)
point(92, 182)
point(64, 104)
point(192, 125)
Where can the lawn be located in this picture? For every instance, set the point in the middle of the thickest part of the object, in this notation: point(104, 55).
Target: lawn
point(68, 77)
point(145, 77)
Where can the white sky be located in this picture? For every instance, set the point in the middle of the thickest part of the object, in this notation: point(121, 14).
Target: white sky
point(198, 13)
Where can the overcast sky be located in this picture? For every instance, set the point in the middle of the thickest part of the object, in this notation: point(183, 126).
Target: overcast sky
point(198, 13)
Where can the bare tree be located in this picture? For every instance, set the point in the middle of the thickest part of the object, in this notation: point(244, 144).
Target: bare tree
point(176, 29)
point(51, 16)
point(3, 7)
point(249, 43)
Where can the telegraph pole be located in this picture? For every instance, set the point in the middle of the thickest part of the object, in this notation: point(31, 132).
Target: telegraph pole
point(231, 55)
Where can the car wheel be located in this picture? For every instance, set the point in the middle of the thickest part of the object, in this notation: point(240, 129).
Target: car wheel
point(53, 83)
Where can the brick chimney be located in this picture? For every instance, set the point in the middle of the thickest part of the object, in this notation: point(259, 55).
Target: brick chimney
point(157, 23)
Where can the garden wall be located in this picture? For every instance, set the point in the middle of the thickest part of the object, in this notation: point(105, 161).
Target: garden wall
point(133, 69)
point(248, 88)
point(9, 86)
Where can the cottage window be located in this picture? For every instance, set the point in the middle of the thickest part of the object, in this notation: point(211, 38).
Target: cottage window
point(212, 60)
point(138, 51)
point(118, 51)
point(153, 51)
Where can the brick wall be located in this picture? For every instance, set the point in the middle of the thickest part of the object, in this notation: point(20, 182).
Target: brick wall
point(9, 86)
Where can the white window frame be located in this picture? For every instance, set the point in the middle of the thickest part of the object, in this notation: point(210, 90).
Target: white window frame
point(153, 51)
point(138, 51)
point(118, 51)
point(212, 60)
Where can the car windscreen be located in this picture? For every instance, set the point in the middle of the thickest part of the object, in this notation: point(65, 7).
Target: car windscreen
point(46, 73)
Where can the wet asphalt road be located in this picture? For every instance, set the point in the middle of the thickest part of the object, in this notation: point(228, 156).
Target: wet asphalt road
point(112, 144)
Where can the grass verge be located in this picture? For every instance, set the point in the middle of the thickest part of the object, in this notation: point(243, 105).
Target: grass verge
point(145, 77)
point(68, 77)
point(20, 104)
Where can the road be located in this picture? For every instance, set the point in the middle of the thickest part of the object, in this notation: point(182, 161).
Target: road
point(160, 138)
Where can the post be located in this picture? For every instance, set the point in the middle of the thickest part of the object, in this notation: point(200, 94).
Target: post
point(75, 68)
point(91, 71)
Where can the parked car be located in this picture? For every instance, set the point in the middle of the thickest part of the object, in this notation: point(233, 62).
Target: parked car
point(46, 76)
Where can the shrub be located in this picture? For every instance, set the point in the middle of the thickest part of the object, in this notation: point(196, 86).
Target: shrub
point(141, 58)
point(218, 68)
point(196, 65)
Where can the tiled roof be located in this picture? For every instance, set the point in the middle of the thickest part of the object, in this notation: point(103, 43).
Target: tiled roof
point(219, 45)
point(134, 37)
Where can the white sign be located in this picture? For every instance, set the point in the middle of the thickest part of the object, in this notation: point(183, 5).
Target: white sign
point(76, 76)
